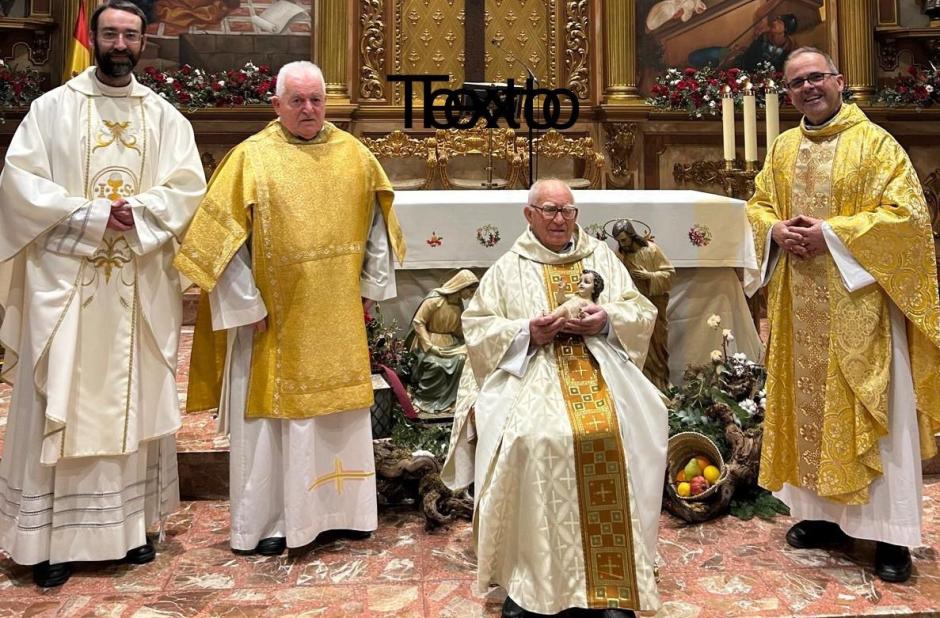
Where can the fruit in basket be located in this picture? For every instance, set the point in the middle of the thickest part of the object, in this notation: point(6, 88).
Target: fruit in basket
point(711, 474)
point(697, 485)
point(684, 489)
point(681, 478)
point(692, 469)
point(703, 462)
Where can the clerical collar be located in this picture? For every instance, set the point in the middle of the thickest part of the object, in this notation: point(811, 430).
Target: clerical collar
point(113, 91)
point(815, 127)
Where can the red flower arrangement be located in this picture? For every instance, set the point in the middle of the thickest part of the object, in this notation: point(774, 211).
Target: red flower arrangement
point(919, 87)
point(18, 88)
point(699, 91)
point(192, 88)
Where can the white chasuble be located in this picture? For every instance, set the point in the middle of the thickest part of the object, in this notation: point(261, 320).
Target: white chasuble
point(91, 319)
point(571, 438)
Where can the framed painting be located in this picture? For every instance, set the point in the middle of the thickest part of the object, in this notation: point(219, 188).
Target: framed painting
point(728, 33)
point(216, 35)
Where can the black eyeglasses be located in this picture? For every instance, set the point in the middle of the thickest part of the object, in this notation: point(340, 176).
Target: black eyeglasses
point(813, 78)
point(550, 210)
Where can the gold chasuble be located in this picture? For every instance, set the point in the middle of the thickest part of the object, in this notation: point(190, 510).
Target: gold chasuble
point(601, 468)
point(829, 358)
point(307, 206)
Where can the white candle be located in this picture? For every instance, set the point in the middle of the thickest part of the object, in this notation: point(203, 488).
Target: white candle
point(727, 123)
point(750, 124)
point(772, 114)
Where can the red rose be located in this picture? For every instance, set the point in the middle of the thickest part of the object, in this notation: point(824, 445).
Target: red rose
point(690, 72)
point(186, 69)
point(216, 86)
point(238, 100)
point(264, 69)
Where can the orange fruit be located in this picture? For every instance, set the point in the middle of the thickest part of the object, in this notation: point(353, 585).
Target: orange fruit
point(680, 478)
point(703, 462)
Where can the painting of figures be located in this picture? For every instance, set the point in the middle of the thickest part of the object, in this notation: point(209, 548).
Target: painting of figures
point(222, 34)
point(727, 33)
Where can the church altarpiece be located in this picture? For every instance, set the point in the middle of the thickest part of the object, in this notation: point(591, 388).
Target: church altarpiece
point(599, 50)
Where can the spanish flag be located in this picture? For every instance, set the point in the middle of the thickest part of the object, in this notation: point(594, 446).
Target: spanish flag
point(79, 57)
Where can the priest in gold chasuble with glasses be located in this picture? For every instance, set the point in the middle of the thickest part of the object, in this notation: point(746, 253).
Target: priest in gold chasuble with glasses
point(853, 387)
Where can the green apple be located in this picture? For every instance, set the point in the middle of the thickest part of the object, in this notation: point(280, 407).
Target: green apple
point(692, 469)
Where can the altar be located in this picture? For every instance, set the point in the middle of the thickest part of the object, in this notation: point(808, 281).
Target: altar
point(706, 237)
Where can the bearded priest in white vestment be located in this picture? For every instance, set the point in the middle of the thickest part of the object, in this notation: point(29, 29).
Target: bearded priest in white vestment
point(571, 436)
point(296, 230)
point(100, 180)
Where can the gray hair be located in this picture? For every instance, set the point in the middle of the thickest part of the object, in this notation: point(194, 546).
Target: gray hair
point(298, 67)
point(811, 50)
point(539, 185)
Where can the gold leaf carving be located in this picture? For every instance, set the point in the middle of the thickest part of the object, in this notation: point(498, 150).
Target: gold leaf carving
point(619, 143)
point(576, 46)
point(534, 19)
point(426, 37)
point(371, 50)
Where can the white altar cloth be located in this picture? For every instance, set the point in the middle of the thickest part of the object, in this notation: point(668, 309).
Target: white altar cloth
point(706, 237)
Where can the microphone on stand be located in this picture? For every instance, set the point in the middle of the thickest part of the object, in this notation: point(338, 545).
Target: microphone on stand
point(533, 160)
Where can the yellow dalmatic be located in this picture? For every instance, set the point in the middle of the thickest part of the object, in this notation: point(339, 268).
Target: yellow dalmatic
point(829, 359)
point(307, 206)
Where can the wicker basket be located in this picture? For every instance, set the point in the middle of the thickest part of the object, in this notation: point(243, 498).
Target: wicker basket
point(684, 446)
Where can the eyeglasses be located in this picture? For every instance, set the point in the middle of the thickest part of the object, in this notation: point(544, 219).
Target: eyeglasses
point(813, 78)
point(550, 210)
point(131, 36)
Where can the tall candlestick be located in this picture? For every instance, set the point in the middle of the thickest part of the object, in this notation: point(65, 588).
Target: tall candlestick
point(772, 113)
point(727, 123)
point(750, 124)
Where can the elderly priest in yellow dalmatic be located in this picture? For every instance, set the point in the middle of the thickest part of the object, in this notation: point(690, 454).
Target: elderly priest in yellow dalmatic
point(853, 388)
point(571, 445)
point(296, 229)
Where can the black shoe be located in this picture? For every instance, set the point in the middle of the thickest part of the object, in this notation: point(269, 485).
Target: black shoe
point(892, 562)
point(511, 610)
point(355, 535)
point(815, 535)
point(271, 546)
point(47, 575)
point(614, 612)
point(141, 555)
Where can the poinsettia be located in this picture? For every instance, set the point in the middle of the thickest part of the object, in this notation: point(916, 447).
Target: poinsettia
point(919, 87)
point(699, 91)
point(191, 88)
point(18, 88)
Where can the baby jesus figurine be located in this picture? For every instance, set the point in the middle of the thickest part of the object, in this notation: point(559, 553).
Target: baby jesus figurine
point(571, 306)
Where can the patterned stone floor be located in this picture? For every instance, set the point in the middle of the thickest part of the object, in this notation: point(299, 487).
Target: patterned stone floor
point(725, 568)
point(720, 569)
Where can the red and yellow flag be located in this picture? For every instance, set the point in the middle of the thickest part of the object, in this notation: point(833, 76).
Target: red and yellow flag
point(79, 57)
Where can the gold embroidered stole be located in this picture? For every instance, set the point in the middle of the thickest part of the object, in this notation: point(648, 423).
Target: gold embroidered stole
point(606, 530)
point(810, 305)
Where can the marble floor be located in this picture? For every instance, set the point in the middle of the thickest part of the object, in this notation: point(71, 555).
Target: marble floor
point(720, 569)
point(723, 568)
